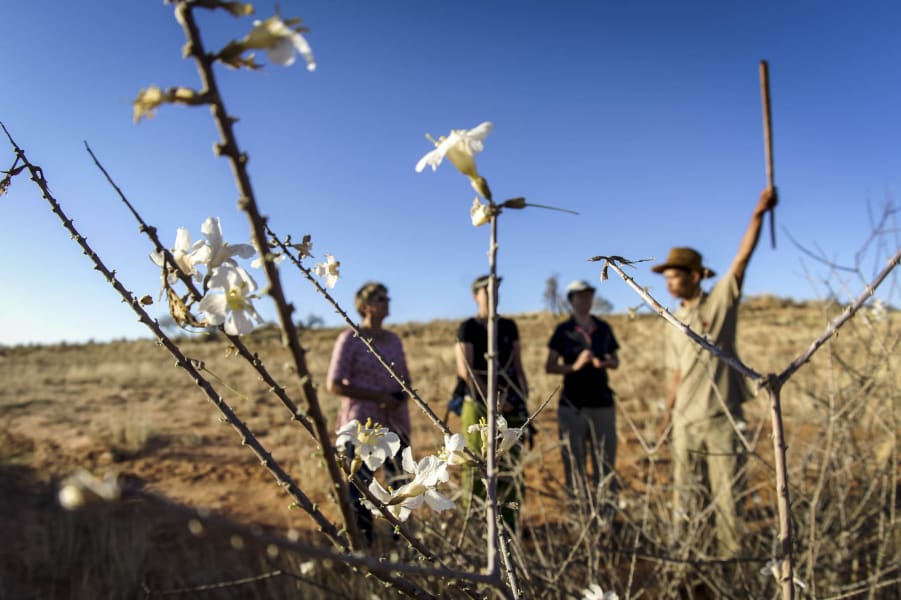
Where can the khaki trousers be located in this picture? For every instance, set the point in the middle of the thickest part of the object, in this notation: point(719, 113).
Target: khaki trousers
point(709, 443)
point(587, 432)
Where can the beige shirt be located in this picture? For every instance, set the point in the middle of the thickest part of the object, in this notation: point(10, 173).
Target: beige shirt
point(707, 383)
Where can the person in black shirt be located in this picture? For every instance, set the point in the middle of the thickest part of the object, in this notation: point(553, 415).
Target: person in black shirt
point(582, 349)
point(513, 389)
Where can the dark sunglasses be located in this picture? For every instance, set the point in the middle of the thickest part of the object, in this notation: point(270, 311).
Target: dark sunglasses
point(379, 299)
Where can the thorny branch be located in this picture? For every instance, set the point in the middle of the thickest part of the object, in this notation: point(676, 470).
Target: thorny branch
point(285, 247)
point(611, 262)
point(773, 383)
point(182, 361)
point(843, 318)
point(257, 364)
point(252, 358)
point(228, 147)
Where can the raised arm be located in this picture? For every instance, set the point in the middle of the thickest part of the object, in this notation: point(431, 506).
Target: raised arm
point(768, 200)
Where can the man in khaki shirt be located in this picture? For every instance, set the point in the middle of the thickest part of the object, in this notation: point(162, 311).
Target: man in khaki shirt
point(706, 392)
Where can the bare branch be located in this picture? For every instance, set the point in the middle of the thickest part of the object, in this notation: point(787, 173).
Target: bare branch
point(735, 363)
point(840, 320)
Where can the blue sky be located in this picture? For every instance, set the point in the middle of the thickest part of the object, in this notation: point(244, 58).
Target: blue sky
point(643, 116)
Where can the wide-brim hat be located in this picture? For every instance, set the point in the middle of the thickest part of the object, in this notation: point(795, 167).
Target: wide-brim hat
point(482, 282)
point(579, 285)
point(684, 258)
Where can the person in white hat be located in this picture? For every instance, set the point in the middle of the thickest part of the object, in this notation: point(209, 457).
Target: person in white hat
point(706, 396)
point(582, 349)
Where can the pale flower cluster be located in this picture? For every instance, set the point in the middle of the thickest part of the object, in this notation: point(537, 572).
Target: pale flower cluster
point(427, 474)
point(228, 289)
point(371, 444)
point(328, 270)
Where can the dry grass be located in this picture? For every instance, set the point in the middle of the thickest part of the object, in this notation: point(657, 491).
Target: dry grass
point(123, 405)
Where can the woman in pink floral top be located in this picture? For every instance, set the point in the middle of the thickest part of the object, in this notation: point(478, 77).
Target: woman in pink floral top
point(367, 390)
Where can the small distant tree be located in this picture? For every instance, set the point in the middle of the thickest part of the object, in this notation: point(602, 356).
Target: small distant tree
point(557, 303)
point(311, 322)
point(554, 301)
point(601, 305)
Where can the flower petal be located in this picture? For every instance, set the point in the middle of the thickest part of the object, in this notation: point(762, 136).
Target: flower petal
point(281, 52)
point(437, 502)
point(182, 239)
point(408, 462)
point(239, 323)
point(215, 307)
point(303, 47)
point(432, 158)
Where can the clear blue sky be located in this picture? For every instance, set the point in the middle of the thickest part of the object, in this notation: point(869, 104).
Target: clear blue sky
point(643, 116)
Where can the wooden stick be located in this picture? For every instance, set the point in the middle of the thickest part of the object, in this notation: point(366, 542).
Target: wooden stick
point(768, 140)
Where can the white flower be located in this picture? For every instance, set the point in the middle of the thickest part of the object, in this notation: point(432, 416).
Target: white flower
point(328, 270)
point(186, 256)
point(221, 252)
point(460, 147)
point(774, 568)
point(879, 309)
point(595, 592)
point(509, 436)
point(234, 307)
point(280, 39)
point(373, 444)
point(479, 213)
point(452, 453)
point(400, 509)
point(427, 474)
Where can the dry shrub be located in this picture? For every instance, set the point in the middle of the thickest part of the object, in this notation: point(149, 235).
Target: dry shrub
point(842, 423)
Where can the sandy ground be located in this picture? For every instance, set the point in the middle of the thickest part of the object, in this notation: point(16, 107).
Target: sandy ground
point(123, 406)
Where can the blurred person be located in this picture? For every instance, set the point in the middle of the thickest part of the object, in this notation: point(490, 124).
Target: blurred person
point(582, 349)
point(512, 390)
point(366, 389)
point(703, 387)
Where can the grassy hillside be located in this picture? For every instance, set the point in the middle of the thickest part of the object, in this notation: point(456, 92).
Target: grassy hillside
point(124, 406)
